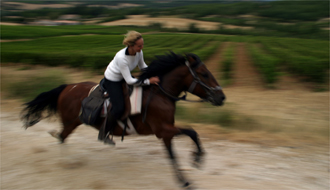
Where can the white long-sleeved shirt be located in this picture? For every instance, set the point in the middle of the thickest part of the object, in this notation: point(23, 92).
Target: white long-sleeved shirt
point(122, 65)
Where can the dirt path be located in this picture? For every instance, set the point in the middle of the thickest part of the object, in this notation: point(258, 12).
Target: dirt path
point(256, 160)
point(288, 81)
point(214, 62)
point(141, 163)
point(29, 6)
point(245, 73)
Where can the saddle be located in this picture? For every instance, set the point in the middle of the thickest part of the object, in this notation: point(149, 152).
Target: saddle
point(97, 104)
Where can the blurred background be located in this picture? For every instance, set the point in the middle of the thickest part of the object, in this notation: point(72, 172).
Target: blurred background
point(270, 57)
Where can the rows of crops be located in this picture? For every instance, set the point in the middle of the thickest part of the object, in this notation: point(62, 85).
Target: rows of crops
point(95, 51)
point(267, 64)
point(31, 32)
point(306, 58)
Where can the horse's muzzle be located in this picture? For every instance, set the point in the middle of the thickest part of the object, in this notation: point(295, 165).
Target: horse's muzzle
point(217, 99)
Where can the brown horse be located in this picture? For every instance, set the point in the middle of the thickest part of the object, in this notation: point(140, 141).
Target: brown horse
point(177, 73)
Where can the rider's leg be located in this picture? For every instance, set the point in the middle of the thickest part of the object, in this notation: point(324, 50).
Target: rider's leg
point(115, 91)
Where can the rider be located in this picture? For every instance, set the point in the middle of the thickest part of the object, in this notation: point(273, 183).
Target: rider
point(119, 69)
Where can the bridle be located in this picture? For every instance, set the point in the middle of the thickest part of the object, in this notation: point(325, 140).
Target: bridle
point(197, 80)
point(210, 91)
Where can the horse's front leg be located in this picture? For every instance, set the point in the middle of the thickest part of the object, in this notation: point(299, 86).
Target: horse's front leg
point(181, 178)
point(198, 155)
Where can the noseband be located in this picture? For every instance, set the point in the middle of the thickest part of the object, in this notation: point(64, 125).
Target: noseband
point(210, 91)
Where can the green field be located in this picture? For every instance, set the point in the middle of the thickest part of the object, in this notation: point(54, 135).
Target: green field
point(51, 46)
point(30, 32)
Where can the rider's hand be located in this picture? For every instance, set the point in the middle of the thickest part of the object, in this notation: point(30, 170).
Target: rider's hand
point(154, 80)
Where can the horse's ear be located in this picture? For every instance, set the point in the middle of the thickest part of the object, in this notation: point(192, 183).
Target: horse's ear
point(189, 58)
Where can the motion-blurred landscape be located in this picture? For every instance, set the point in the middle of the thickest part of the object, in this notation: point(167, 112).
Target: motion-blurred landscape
point(270, 57)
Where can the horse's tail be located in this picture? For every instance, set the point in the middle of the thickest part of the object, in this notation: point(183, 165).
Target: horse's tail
point(46, 101)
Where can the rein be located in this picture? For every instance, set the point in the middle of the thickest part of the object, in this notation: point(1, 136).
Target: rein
point(183, 98)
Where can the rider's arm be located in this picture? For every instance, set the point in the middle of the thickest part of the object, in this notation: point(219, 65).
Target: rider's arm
point(124, 69)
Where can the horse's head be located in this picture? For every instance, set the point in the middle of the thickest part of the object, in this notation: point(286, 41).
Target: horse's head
point(201, 82)
point(175, 77)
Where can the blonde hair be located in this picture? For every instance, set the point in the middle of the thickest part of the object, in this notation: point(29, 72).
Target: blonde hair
point(131, 37)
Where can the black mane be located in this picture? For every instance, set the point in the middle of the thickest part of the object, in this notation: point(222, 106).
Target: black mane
point(162, 65)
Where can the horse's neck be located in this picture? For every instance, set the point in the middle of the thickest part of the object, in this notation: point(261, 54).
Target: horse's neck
point(173, 82)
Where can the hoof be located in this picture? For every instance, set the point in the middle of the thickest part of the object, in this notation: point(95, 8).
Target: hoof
point(197, 159)
point(187, 186)
point(109, 141)
point(55, 134)
point(196, 164)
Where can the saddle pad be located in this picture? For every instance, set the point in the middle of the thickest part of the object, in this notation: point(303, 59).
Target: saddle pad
point(135, 99)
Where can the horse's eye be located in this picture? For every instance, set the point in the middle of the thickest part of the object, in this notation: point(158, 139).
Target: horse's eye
point(205, 75)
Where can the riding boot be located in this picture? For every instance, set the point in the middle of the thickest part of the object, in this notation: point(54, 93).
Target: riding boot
point(106, 130)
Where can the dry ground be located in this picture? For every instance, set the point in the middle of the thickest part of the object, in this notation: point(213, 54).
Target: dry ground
point(29, 6)
point(169, 22)
point(296, 156)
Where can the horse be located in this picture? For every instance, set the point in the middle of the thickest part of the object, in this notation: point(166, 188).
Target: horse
point(178, 73)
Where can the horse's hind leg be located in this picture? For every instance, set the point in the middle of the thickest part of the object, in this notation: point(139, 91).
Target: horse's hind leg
point(66, 131)
point(199, 153)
